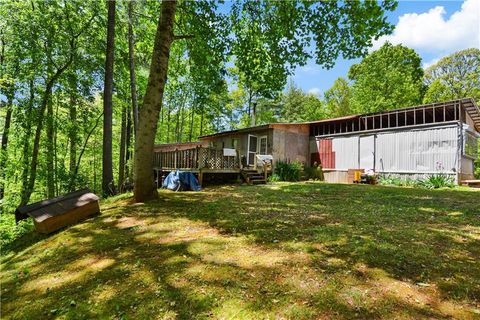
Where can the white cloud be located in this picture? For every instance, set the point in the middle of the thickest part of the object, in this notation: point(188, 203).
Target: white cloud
point(427, 64)
point(315, 92)
point(432, 32)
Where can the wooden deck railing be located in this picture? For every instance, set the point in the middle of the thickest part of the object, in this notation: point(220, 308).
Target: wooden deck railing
point(195, 159)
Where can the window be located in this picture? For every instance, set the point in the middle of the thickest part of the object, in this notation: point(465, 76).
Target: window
point(235, 143)
point(471, 145)
point(263, 145)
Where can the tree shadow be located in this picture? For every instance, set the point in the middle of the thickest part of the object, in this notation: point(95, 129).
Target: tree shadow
point(248, 252)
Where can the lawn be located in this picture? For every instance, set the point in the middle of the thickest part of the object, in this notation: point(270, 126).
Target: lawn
point(282, 251)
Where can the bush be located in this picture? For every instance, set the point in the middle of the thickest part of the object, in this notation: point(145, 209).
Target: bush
point(477, 168)
point(390, 180)
point(436, 181)
point(10, 231)
point(315, 173)
point(288, 171)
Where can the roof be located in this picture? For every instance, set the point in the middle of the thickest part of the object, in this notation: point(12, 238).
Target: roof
point(179, 145)
point(468, 104)
point(55, 206)
point(250, 129)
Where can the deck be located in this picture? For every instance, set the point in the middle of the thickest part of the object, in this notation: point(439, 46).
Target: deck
point(204, 160)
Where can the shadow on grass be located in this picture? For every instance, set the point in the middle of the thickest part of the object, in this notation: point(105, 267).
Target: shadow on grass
point(290, 250)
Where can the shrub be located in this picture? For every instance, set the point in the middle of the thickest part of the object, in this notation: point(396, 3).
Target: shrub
point(9, 230)
point(315, 173)
point(288, 171)
point(436, 181)
point(477, 168)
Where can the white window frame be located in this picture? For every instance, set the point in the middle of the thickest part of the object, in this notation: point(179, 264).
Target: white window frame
point(248, 149)
point(259, 147)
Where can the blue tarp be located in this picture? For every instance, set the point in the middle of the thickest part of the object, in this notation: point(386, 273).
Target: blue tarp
point(180, 181)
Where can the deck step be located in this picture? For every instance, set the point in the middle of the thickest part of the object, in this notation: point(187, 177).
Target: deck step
point(471, 183)
point(252, 176)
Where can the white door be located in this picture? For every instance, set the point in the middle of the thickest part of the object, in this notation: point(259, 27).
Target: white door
point(367, 152)
point(252, 149)
point(262, 145)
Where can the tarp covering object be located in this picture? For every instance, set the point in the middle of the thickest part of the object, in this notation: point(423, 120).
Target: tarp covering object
point(181, 181)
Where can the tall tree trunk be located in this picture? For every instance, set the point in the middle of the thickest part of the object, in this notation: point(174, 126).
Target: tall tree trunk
point(73, 141)
point(131, 59)
point(152, 104)
point(127, 144)
point(201, 120)
point(190, 134)
point(3, 150)
point(28, 131)
point(108, 186)
point(121, 162)
point(27, 188)
point(49, 149)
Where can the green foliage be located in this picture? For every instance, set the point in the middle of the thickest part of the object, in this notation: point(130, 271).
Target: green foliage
point(295, 105)
point(435, 181)
point(477, 163)
point(288, 171)
point(392, 180)
point(10, 231)
point(314, 172)
point(454, 76)
point(388, 78)
point(338, 99)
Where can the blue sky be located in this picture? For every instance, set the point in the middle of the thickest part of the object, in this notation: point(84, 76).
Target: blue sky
point(433, 28)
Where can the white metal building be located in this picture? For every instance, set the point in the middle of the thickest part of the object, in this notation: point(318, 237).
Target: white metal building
point(410, 142)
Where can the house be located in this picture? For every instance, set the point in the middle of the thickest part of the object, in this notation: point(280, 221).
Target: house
point(409, 142)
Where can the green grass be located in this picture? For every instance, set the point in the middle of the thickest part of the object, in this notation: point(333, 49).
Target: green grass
point(282, 251)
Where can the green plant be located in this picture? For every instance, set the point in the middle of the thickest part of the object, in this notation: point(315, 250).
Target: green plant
point(435, 181)
point(314, 173)
point(288, 171)
point(10, 231)
point(390, 180)
point(274, 178)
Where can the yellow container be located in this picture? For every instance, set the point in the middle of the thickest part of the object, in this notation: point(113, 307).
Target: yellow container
point(357, 175)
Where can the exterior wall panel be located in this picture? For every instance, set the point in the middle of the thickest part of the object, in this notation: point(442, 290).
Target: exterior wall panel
point(346, 152)
point(429, 150)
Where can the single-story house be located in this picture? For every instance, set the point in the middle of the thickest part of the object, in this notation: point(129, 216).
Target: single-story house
point(408, 142)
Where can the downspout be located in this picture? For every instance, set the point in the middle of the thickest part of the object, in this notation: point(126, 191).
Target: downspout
point(460, 144)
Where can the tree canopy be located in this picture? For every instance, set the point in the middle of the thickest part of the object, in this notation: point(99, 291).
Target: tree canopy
point(454, 76)
point(388, 78)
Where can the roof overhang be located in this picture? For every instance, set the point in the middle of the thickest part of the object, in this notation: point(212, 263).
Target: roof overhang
point(473, 111)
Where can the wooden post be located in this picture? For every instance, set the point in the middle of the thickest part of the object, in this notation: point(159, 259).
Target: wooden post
point(196, 157)
point(200, 177)
point(175, 159)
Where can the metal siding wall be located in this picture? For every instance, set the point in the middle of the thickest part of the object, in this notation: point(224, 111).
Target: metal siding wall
point(346, 152)
point(417, 151)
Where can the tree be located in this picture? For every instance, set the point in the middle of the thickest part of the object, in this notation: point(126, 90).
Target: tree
point(59, 57)
point(337, 28)
point(108, 186)
point(148, 116)
point(131, 60)
point(338, 99)
point(295, 105)
point(388, 78)
point(454, 76)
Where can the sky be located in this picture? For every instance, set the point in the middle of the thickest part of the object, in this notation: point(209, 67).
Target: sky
point(433, 29)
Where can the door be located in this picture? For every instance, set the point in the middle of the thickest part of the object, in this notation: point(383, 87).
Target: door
point(262, 145)
point(252, 149)
point(367, 152)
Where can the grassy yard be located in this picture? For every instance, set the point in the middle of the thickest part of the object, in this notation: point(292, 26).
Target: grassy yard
point(282, 251)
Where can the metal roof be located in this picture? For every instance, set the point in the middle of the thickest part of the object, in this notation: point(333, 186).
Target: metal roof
point(467, 103)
